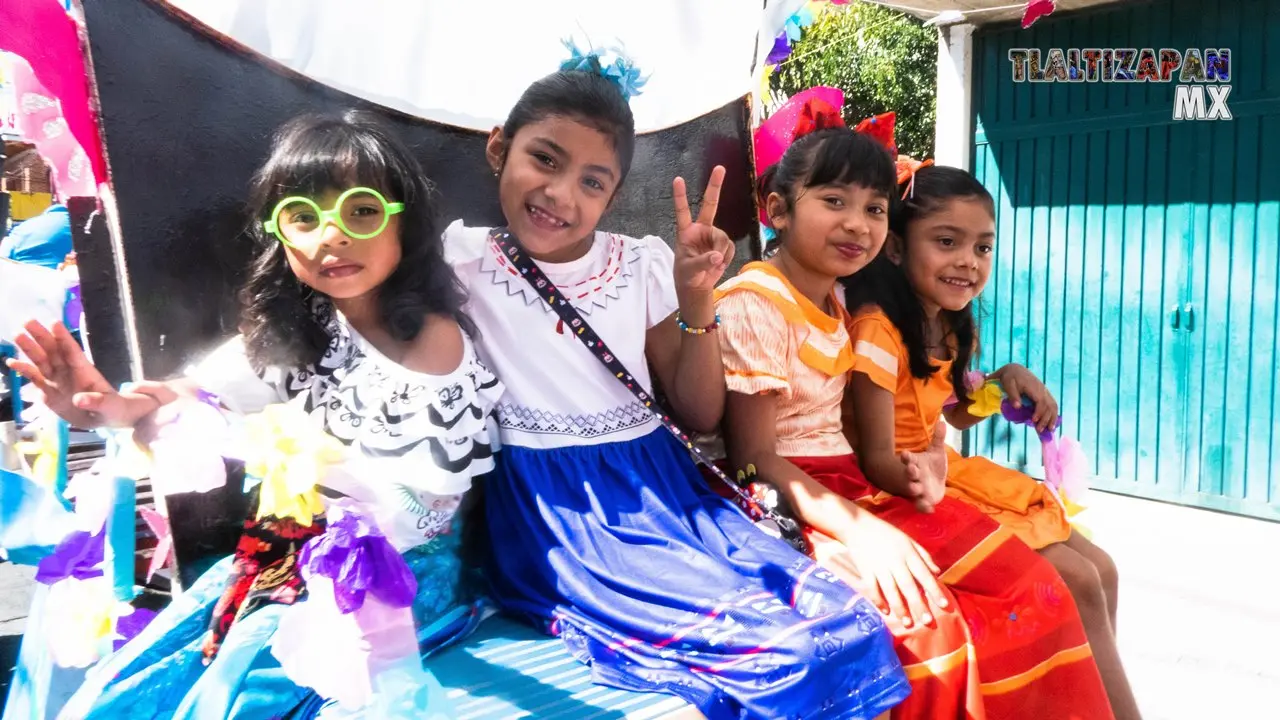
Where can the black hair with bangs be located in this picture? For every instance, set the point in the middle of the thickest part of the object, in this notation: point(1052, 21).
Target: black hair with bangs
point(310, 155)
point(832, 156)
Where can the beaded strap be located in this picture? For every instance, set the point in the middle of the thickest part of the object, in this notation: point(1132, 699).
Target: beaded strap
point(546, 290)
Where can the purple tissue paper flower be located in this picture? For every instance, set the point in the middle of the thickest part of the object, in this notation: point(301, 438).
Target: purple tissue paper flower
point(781, 49)
point(357, 557)
point(79, 555)
point(1022, 416)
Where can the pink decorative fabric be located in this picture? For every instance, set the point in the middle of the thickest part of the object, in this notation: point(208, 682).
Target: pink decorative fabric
point(52, 91)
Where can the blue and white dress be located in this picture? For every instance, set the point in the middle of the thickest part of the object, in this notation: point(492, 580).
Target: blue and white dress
point(604, 532)
point(426, 437)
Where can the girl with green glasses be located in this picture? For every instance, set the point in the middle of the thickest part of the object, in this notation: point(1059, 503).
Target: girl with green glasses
point(351, 316)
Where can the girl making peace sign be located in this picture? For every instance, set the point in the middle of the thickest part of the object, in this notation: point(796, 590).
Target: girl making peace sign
point(602, 529)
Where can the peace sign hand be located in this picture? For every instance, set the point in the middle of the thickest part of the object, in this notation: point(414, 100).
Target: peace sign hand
point(703, 251)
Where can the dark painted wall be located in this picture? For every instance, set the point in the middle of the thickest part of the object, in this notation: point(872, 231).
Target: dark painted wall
point(188, 116)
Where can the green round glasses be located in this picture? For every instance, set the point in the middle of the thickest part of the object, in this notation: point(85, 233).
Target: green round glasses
point(360, 213)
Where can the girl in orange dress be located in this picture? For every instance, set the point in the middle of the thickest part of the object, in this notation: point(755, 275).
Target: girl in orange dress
point(983, 625)
point(913, 336)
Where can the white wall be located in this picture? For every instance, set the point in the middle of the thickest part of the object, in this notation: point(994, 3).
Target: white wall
point(954, 132)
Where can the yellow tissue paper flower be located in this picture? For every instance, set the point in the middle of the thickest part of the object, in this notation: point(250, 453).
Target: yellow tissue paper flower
point(80, 620)
point(44, 469)
point(986, 400)
point(765, 92)
point(289, 454)
point(1071, 508)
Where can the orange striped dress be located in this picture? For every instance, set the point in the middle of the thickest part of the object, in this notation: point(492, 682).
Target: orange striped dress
point(1015, 648)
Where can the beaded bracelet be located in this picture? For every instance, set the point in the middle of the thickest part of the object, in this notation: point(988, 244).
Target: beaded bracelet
point(696, 331)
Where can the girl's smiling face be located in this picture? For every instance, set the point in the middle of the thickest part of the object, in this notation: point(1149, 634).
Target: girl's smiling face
point(556, 179)
point(833, 230)
point(948, 253)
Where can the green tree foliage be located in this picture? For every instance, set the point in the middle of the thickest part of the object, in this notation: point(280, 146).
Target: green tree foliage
point(882, 60)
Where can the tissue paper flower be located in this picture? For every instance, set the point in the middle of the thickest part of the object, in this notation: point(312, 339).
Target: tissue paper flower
point(361, 591)
point(80, 620)
point(986, 400)
point(340, 654)
point(44, 447)
point(93, 495)
point(357, 557)
point(163, 552)
point(79, 556)
point(187, 453)
point(289, 455)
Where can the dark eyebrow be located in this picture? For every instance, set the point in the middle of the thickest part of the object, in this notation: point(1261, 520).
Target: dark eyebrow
point(948, 228)
point(841, 187)
point(602, 170)
point(555, 147)
point(961, 231)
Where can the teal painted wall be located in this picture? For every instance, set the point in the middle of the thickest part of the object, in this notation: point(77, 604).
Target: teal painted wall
point(1137, 256)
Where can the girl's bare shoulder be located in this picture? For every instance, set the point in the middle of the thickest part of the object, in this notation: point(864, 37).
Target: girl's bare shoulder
point(439, 347)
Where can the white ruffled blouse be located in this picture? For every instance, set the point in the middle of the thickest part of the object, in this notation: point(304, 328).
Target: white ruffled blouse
point(417, 440)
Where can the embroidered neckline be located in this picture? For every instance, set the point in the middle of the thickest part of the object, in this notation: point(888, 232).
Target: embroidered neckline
point(595, 291)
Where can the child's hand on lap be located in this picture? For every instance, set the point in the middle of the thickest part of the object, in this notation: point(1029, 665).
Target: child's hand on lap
point(703, 251)
point(927, 471)
point(1017, 381)
point(896, 574)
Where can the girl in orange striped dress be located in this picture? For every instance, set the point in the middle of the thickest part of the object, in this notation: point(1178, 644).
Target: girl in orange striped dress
point(983, 625)
point(913, 337)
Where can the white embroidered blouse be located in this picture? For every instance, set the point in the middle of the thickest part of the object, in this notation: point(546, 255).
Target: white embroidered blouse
point(557, 393)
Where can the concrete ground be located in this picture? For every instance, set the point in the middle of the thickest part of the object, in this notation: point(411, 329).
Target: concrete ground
point(15, 597)
point(1199, 624)
point(1199, 608)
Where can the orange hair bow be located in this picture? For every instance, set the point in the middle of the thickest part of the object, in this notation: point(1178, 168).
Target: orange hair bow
point(818, 114)
point(907, 169)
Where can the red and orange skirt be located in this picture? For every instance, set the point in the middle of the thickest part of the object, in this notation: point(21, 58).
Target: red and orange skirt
point(1013, 648)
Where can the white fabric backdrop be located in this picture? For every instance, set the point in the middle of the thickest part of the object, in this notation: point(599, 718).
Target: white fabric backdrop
point(465, 62)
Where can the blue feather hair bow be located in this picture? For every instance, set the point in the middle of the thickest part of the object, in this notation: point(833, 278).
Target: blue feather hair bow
point(609, 63)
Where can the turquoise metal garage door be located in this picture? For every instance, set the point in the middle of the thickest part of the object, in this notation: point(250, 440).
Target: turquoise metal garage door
point(1137, 259)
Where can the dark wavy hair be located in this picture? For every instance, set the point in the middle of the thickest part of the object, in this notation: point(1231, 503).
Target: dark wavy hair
point(310, 155)
point(586, 97)
point(883, 283)
point(833, 156)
